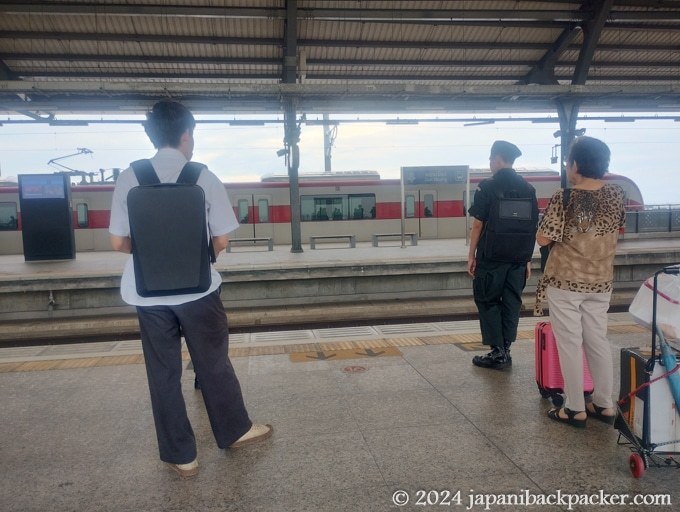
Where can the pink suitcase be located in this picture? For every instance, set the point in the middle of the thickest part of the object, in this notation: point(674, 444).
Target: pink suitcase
point(548, 372)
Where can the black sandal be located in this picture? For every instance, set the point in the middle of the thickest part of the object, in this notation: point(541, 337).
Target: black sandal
point(597, 414)
point(554, 414)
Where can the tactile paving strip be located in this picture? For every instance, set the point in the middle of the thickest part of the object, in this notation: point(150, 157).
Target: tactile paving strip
point(83, 355)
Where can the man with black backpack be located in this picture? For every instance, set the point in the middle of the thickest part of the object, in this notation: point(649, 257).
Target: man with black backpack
point(502, 241)
point(181, 299)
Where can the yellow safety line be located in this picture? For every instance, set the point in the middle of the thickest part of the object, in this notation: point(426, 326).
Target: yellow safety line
point(467, 342)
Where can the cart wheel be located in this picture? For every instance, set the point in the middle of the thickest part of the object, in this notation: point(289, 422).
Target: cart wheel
point(557, 400)
point(637, 465)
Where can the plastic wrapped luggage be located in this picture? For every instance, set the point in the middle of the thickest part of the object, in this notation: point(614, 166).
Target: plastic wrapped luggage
point(648, 416)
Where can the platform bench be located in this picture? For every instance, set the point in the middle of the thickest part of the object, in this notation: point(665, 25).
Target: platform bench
point(413, 236)
point(350, 238)
point(268, 239)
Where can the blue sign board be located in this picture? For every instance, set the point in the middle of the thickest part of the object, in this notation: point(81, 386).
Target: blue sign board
point(42, 186)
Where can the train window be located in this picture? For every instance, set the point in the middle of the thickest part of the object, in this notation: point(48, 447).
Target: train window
point(410, 211)
point(337, 207)
point(81, 214)
point(306, 208)
point(362, 206)
point(242, 207)
point(8, 216)
point(323, 207)
point(429, 205)
point(263, 210)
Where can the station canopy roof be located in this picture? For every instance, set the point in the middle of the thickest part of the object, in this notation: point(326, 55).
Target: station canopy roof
point(353, 56)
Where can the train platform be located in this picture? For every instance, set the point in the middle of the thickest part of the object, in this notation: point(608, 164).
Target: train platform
point(376, 418)
point(390, 251)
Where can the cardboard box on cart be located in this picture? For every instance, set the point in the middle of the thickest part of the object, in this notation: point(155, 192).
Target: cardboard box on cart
point(651, 413)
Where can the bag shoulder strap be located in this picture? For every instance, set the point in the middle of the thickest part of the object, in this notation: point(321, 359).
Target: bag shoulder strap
point(146, 175)
point(565, 198)
point(189, 176)
point(190, 173)
point(491, 186)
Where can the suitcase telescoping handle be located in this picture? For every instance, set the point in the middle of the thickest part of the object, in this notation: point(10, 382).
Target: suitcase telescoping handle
point(673, 270)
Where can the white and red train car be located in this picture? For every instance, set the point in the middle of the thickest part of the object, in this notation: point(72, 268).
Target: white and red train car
point(356, 202)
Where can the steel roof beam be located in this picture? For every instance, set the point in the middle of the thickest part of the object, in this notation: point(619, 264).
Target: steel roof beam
point(591, 34)
point(544, 70)
point(666, 10)
point(139, 38)
point(82, 95)
point(51, 8)
point(358, 78)
point(649, 4)
point(290, 46)
point(656, 10)
point(319, 43)
point(332, 89)
point(5, 72)
point(164, 59)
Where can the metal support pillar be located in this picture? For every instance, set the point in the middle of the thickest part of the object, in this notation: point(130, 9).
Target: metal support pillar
point(290, 60)
point(329, 134)
point(291, 128)
point(291, 139)
point(567, 112)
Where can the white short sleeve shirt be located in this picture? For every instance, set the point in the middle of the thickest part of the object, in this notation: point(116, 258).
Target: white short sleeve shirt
point(168, 164)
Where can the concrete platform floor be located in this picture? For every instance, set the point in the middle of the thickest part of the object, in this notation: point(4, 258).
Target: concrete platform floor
point(349, 433)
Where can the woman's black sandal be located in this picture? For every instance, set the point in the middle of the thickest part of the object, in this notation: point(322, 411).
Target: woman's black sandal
point(554, 414)
point(597, 414)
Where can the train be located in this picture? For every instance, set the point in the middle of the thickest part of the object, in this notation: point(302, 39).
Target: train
point(357, 203)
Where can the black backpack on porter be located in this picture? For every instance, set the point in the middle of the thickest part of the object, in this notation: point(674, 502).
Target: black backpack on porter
point(171, 250)
point(510, 231)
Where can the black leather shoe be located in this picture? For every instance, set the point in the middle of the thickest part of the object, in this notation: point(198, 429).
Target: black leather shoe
point(507, 344)
point(497, 359)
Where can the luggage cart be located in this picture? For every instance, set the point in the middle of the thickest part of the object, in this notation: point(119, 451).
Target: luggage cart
point(642, 432)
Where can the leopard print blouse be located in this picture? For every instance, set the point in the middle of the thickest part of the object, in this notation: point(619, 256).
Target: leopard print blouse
point(585, 236)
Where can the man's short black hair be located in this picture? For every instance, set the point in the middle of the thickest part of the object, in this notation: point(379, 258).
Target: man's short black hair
point(591, 156)
point(166, 123)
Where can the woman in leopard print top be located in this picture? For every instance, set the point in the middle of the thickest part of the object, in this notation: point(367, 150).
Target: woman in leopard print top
point(578, 278)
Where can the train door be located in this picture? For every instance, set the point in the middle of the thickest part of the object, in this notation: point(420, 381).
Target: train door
point(84, 232)
point(420, 211)
point(253, 213)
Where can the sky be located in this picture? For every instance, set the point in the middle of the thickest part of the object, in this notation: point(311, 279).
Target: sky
point(643, 150)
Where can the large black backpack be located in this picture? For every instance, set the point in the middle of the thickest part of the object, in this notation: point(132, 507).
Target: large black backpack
point(510, 231)
point(171, 249)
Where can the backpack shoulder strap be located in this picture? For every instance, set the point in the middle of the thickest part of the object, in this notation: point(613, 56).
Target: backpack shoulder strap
point(190, 173)
point(146, 175)
point(489, 185)
point(189, 176)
